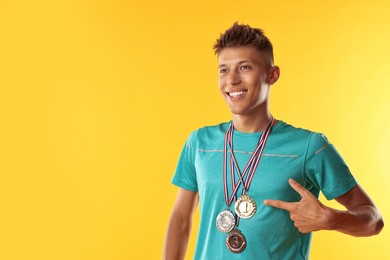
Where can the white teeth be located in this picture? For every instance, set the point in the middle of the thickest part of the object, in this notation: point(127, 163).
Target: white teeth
point(236, 94)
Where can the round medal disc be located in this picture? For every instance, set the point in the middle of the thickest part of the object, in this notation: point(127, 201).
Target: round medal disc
point(236, 241)
point(245, 206)
point(225, 221)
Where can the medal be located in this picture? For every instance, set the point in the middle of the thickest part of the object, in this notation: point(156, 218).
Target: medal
point(236, 241)
point(245, 206)
point(225, 221)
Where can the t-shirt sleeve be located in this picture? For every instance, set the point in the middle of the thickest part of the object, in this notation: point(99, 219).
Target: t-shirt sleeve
point(325, 169)
point(185, 174)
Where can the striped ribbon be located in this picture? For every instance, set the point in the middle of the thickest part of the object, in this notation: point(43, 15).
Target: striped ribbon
point(250, 167)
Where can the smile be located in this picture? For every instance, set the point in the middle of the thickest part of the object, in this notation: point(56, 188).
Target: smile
point(236, 93)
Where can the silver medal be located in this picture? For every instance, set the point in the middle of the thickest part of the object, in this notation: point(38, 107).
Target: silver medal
point(225, 221)
point(245, 206)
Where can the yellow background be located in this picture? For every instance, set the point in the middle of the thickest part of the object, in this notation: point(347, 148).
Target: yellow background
point(98, 97)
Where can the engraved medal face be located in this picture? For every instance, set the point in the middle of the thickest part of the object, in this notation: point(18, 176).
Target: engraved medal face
point(245, 206)
point(225, 221)
point(236, 241)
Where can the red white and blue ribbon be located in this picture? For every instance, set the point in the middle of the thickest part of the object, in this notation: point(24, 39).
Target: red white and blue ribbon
point(250, 167)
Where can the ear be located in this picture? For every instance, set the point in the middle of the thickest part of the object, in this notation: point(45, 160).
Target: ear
point(274, 74)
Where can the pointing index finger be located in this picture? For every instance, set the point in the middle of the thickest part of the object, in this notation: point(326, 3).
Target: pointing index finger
point(279, 204)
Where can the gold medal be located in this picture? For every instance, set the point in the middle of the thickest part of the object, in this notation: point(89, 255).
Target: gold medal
point(245, 206)
point(225, 221)
point(236, 241)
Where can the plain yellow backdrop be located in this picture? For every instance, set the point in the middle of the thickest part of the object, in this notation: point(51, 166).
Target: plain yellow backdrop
point(98, 97)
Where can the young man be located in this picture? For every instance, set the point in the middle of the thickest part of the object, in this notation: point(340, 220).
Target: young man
point(258, 179)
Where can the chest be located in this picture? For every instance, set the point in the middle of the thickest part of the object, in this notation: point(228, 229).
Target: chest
point(270, 179)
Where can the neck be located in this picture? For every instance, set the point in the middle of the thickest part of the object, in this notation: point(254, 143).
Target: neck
point(251, 124)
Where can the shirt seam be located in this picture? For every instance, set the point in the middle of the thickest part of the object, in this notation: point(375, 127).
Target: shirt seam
point(305, 157)
point(322, 148)
point(244, 152)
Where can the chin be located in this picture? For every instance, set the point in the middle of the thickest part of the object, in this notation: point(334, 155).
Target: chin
point(237, 112)
point(234, 109)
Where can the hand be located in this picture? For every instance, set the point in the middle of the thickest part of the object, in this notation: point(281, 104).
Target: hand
point(309, 214)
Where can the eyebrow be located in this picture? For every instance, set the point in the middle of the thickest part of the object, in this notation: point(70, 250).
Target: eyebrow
point(240, 62)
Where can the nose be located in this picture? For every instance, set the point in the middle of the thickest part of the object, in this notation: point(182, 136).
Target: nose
point(233, 78)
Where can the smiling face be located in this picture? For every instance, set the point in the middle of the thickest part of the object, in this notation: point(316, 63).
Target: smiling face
point(245, 76)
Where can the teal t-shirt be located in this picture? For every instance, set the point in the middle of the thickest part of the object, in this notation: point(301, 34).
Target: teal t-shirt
point(290, 152)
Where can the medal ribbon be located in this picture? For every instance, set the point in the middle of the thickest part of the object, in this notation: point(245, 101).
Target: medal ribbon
point(234, 162)
point(253, 168)
point(250, 167)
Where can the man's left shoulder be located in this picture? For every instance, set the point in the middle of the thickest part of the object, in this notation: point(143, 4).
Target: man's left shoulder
point(287, 129)
point(300, 134)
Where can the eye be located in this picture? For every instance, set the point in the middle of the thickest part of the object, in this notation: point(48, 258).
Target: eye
point(223, 71)
point(245, 67)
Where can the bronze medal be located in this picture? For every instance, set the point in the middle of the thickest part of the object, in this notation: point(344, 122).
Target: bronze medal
point(236, 241)
point(245, 206)
point(225, 221)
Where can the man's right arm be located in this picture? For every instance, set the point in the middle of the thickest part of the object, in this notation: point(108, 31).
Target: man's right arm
point(179, 226)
